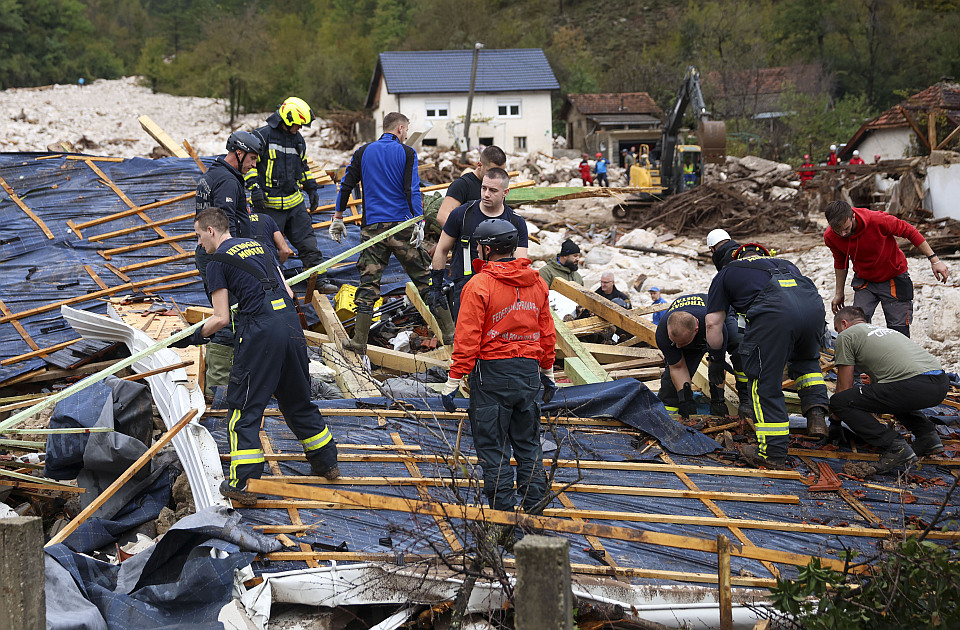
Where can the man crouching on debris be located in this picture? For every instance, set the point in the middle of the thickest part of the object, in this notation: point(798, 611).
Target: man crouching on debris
point(682, 338)
point(270, 357)
point(784, 326)
point(506, 342)
point(904, 378)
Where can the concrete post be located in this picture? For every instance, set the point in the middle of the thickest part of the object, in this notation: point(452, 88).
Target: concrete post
point(22, 601)
point(542, 599)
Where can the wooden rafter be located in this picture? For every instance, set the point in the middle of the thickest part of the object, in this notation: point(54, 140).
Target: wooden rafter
point(30, 213)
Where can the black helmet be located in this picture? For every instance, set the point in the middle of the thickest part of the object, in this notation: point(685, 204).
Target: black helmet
point(501, 235)
point(244, 141)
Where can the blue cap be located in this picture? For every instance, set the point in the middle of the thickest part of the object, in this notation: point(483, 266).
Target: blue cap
point(651, 289)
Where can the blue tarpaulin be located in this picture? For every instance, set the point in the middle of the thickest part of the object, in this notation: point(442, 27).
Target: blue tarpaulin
point(59, 189)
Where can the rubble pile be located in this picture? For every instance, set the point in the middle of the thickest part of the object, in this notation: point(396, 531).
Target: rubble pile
point(743, 196)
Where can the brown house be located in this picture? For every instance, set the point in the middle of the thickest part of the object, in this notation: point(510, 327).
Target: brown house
point(607, 123)
point(906, 127)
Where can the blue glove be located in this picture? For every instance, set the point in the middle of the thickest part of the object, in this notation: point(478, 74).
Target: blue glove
point(195, 338)
point(550, 388)
point(449, 391)
point(447, 400)
point(314, 199)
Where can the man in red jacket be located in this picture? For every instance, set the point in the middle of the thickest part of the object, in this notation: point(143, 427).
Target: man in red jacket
point(505, 341)
point(867, 239)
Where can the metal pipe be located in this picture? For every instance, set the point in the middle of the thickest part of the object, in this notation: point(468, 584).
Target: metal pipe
point(473, 83)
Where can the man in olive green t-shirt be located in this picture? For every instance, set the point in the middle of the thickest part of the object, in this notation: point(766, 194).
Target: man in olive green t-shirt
point(904, 378)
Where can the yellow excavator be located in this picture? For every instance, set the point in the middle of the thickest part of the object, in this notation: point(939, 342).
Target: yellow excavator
point(680, 166)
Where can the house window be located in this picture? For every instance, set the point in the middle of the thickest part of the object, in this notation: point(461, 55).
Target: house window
point(519, 143)
point(487, 142)
point(438, 109)
point(508, 109)
point(428, 142)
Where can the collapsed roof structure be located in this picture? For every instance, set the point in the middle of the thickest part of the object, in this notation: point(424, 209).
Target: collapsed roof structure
point(641, 497)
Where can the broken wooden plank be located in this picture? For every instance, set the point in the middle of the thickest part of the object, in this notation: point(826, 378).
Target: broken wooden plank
point(484, 514)
point(26, 209)
point(139, 228)
point(570, 346)
point(162, 137)
point(414, 296)
point(617, 354)
point(620, 317)
point(352, 376)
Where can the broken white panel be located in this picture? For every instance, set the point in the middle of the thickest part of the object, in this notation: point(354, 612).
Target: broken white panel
point(685, 606)
point(194, 445)
point(944, 196)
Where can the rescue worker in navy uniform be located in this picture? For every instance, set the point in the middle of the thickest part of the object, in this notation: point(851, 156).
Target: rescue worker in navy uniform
point(222, 187)
point(266, 231)
point(278, 183)
point(682, 338)
point(271, 355)
point(459, 228)
point(785, 323)
point(506, 342)
point(391, 195)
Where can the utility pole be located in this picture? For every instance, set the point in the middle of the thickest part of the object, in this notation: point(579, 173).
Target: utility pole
point(473, 84)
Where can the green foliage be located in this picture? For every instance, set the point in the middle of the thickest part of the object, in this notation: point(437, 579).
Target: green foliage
point(912, 586)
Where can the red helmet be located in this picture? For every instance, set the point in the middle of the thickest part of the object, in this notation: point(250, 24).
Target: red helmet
point(599, 154)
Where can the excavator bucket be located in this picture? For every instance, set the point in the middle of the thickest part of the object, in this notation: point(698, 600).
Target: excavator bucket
point(712, 136)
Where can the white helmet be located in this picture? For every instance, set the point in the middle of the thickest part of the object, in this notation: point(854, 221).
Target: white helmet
point(856, 153)
point(717, 236)
point(833, 148)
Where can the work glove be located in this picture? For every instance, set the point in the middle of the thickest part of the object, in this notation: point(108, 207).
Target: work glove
point(835, 435)
point(549, 385)
point(417, 239)
point(314, 199)
point(337, 230)
point(448, 392)
point(258, 200)
point(686, 408)
point(718, 408)
point(716, 370)
point(195, 338)
point(435, 297)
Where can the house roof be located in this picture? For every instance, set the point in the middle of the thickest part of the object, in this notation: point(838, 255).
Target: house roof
point(611, 103)
point(944, 96)
point(448, 71)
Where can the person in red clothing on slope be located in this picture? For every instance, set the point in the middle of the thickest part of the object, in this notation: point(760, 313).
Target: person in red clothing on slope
point(866, 238)
point(585, 171)
point(506, 342)
point(805, 175)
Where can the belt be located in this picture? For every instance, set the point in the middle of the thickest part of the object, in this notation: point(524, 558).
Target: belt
point(932, 373)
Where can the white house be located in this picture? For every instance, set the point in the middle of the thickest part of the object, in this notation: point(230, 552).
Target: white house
point(511, 102)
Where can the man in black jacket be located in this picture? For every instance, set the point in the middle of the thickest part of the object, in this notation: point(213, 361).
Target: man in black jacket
point(278, 183)
point(222, 187)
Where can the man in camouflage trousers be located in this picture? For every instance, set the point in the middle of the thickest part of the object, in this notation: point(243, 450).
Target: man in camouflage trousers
point(391, 195)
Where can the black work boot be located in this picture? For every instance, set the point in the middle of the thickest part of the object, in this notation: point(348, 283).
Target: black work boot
point(361, 330)
point(817, 423)
point(240, 495)
point(896, 455)
point(324, 285)
point(927, 444)
point(751, 455)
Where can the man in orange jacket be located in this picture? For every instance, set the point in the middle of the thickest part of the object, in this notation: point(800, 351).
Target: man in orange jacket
point(505, 341)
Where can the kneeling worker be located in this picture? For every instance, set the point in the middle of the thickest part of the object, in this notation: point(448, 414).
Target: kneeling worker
point(904, 378)
point(270, 357)
point(506, 343)
point(682, 338)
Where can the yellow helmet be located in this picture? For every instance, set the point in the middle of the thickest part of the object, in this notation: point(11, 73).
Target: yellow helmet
point(295, 111)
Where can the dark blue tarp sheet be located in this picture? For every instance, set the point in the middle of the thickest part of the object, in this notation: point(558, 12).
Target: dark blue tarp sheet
point(363, 530)
point(181, 582)
point(38, 270)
